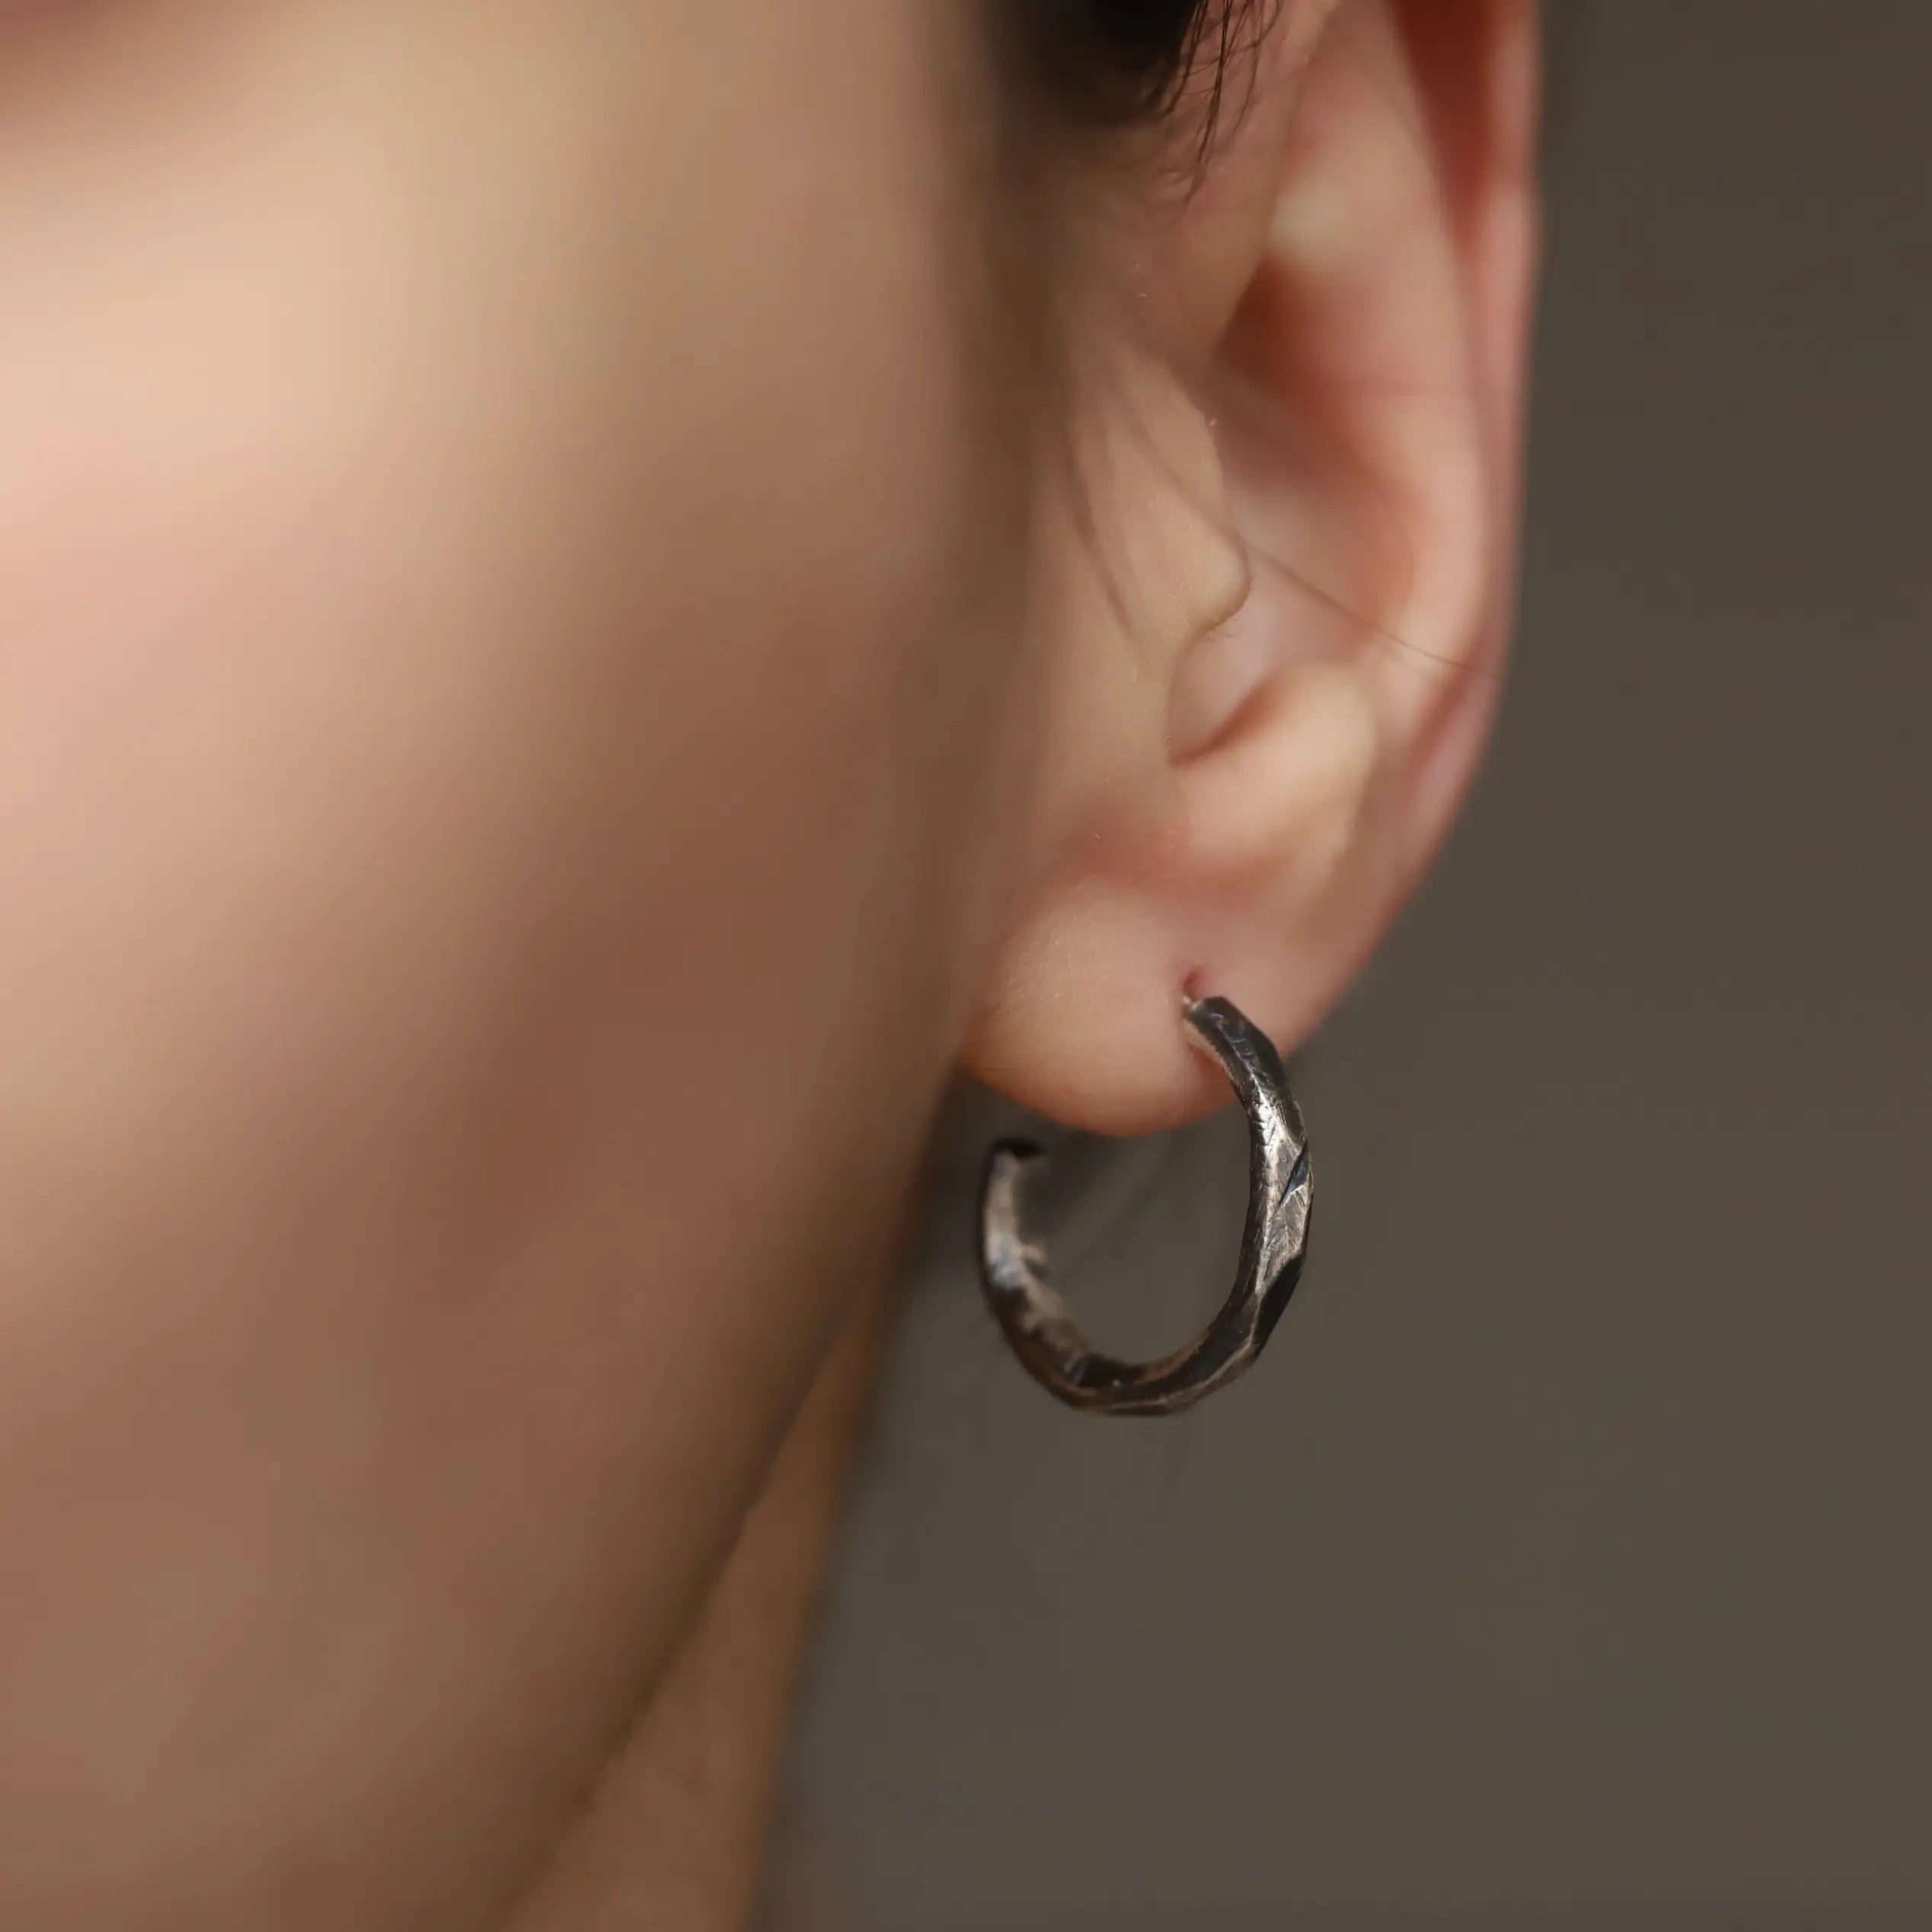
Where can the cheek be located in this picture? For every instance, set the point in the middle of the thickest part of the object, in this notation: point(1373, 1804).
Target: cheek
point(507, 584)
point(505, 627)
point(432, 478)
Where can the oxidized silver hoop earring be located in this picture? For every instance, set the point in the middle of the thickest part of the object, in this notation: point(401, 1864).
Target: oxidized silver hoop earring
point(1038, 1323)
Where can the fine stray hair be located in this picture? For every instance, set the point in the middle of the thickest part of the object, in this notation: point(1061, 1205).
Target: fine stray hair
point(1128, 64)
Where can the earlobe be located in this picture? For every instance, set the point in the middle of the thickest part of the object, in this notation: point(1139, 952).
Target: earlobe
point(1360, 393)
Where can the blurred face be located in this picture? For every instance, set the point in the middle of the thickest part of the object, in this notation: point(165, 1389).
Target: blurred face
point(509, 553)
point(563, 661)
point(496, 502)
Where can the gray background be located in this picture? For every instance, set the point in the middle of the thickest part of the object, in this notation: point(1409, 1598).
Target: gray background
point(1567, 1562)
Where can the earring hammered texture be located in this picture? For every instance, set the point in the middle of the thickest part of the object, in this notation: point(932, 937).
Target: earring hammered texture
point(1041, 1328)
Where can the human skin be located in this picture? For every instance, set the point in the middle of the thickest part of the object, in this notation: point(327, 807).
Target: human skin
point(553, 691)
point(673, 1838)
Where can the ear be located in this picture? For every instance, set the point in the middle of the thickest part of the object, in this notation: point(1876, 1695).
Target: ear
point(1283, 571)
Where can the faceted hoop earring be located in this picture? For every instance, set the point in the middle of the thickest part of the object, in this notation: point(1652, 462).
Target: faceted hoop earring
point(1037, 1322)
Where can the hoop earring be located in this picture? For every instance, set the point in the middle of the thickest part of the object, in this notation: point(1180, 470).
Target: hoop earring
point(1041, 1328)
